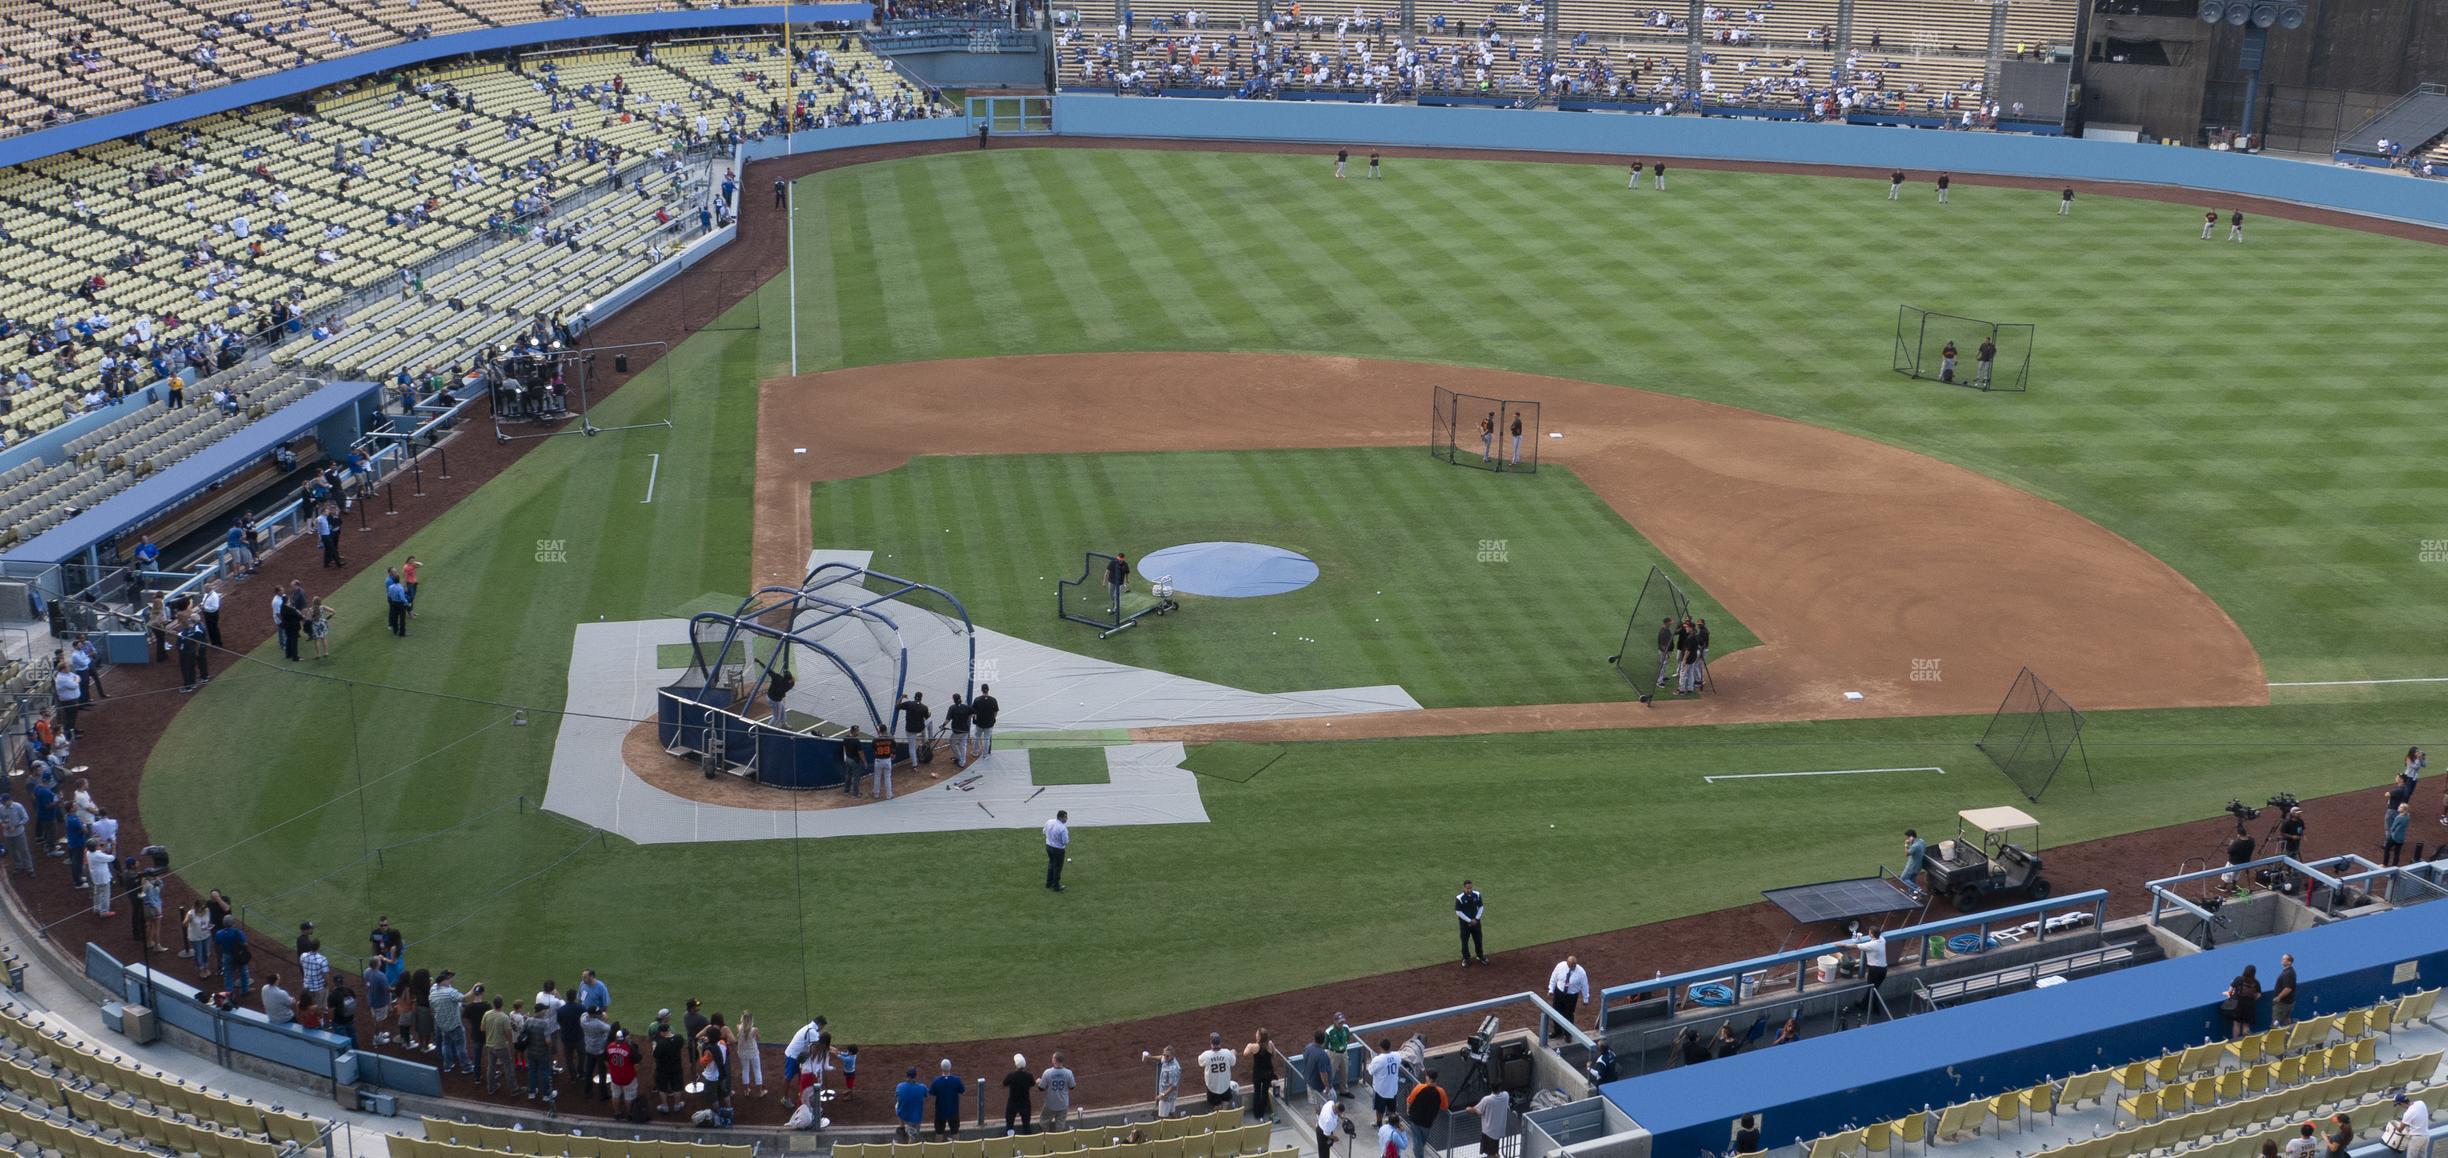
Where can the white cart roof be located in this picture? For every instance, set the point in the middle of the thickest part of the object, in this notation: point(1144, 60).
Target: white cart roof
point(1997, 819)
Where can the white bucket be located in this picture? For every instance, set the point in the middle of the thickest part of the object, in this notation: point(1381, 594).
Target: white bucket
point(1827, 967)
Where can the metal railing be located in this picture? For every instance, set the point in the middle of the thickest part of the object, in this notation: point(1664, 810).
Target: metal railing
point(402, 453)
point(1757, 975)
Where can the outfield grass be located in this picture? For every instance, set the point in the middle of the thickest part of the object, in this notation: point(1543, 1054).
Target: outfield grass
point(2275, 456)
point(1453, 583)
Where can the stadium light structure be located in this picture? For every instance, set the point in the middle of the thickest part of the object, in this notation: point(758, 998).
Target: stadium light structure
point(2256, 18)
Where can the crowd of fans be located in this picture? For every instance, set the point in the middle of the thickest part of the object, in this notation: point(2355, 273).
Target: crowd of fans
point(244, 284)
point(1505, 53)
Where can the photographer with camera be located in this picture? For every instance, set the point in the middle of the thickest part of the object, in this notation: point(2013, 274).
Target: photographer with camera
point(2240, 846)
point(2291, 832)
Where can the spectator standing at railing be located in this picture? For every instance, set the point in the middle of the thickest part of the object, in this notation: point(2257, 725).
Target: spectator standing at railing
point(1313, 1059)
point(1261, 1052)
point(946, 1090)
point(209, 604)
point(13, 824)
point(2413, 1126)
point(98, 864)
point(1057, 1081)
point(1385, 1082)
point(2393, 835)
point(68, 691)
point(1016, 1087)
point(2282, 992)
point(1339, 1043)
point(192, 651)
point(497, 1028)
point(77, 840)
point(1427, 1102)
point(2240, 1001)
point(230, 942)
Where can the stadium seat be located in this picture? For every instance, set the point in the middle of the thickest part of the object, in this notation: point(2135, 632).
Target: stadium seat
point(2140, 1107)
point(1911, 1129)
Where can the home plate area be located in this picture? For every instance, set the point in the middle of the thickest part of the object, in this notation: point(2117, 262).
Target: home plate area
point(1048, 695)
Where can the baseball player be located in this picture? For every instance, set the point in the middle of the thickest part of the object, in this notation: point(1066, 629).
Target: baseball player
point(1658, 171)
point(2209, 222)
point(1341, 156)
point(1987, 354)
point(1372, 165)
point(2235, 227)
point(1944, 180)
point(1635, 183)
point(1895, 185)
point(1946, 362)
point(1517, 438)
point(2065, 201)
point(1487, 437)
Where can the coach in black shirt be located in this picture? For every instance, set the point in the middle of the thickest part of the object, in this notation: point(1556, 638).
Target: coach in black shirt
point(983, 711)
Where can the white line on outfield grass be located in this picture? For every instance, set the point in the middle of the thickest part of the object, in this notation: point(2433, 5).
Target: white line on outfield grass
point(652, 469)
point(1828, 772)
point(2359, 683)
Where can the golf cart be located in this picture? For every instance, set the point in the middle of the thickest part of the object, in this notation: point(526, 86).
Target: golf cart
point(1966, 869)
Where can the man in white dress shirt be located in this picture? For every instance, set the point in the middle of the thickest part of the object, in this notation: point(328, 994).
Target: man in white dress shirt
point(1058, 843)
point(1567, 987)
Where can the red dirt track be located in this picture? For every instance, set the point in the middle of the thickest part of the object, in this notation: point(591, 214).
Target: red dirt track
point(121, 734)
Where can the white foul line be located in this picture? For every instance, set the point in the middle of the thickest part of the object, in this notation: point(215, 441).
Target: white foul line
point(2359, 683)
point(652, 469)
point(1831, 772)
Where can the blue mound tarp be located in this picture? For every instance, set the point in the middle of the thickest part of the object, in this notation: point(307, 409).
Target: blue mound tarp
point(1230, 570)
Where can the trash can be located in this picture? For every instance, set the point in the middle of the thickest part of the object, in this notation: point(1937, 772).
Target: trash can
point(620, 363)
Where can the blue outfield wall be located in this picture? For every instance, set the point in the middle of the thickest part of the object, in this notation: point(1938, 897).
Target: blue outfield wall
point(854, 136)
point(1885, 1070)
point(290, 82)
point(1327, 124)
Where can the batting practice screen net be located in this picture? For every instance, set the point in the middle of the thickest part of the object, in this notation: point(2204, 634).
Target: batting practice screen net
point(1922, 338)
point(2032, 734)
point(1090, 599)
point(1641, 660)
point(1497, 434)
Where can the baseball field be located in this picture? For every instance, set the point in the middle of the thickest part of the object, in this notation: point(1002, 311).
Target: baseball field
point(2205, 513)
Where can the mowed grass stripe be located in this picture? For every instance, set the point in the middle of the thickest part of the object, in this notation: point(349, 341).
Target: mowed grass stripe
point(1399, 538)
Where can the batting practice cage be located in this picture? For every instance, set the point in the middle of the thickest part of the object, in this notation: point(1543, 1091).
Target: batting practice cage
point(1922, 337)
point(1640, 660)
point(1469, 430)
point(2032, 733)
point(1091, 600)
point(847, 643)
